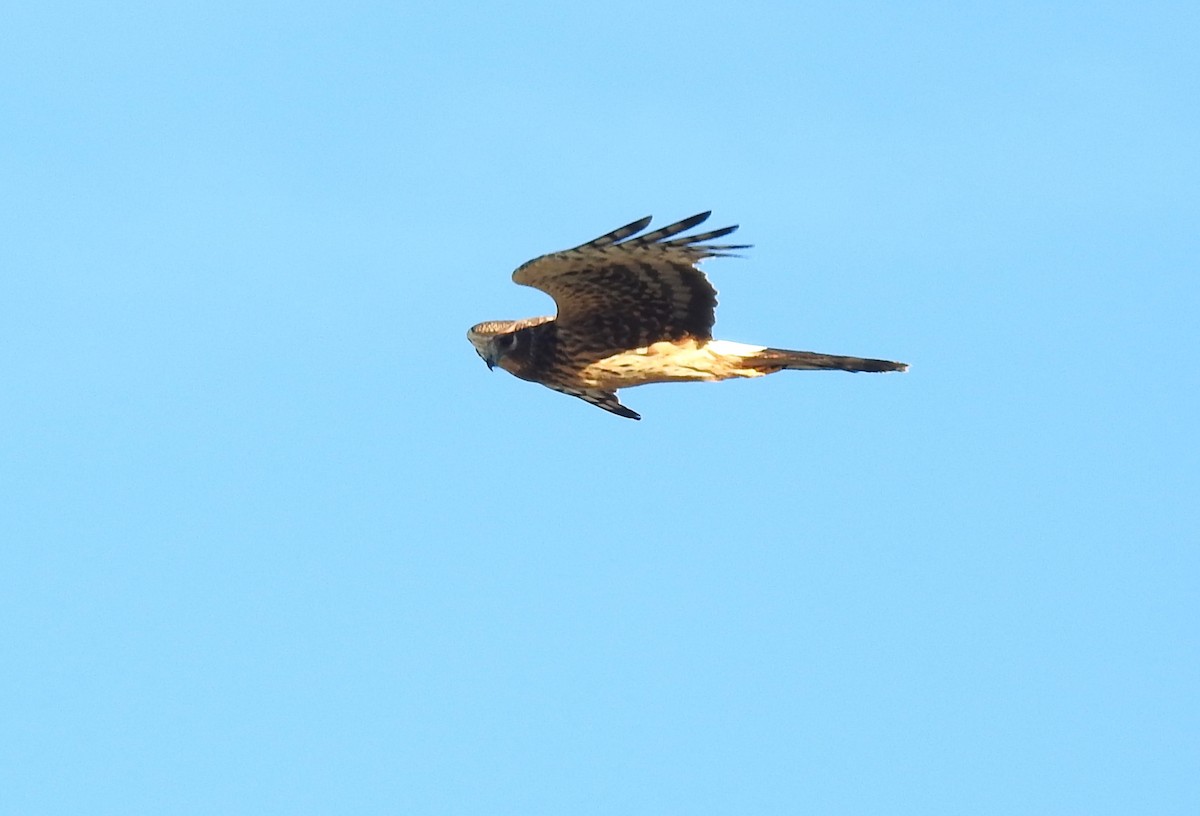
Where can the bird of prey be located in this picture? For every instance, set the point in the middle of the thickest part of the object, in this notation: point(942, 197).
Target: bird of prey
point(634, 309)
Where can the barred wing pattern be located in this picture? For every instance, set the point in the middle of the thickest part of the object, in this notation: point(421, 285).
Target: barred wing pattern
point(625, 291)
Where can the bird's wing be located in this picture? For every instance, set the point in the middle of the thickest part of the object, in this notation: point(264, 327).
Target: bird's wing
point(600, 398)
point(624, 290)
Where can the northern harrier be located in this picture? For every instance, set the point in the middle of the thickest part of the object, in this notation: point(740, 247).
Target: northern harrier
point(631, 311)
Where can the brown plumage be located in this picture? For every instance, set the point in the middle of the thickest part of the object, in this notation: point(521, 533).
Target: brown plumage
point(634, 309)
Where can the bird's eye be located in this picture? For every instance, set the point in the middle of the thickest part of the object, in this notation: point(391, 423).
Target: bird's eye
point(508, 341)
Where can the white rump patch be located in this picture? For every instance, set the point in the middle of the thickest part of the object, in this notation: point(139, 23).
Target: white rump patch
point(732, 348)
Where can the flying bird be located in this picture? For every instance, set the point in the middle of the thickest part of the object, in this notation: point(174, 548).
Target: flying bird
point(634, 309)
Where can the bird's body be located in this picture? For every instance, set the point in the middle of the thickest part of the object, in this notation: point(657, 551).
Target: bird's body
point(634, 311)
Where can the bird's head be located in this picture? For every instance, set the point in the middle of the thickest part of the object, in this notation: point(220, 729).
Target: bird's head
point(503, 343)
point(493, 339)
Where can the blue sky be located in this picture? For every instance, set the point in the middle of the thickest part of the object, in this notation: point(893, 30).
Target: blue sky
point(277, 542)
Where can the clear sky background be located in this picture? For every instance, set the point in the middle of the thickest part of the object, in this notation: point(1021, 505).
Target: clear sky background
point(275, 541)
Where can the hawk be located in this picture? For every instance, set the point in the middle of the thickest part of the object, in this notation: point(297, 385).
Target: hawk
point(634, 309)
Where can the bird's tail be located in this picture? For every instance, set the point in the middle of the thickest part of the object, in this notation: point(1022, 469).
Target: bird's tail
point(771, 360)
